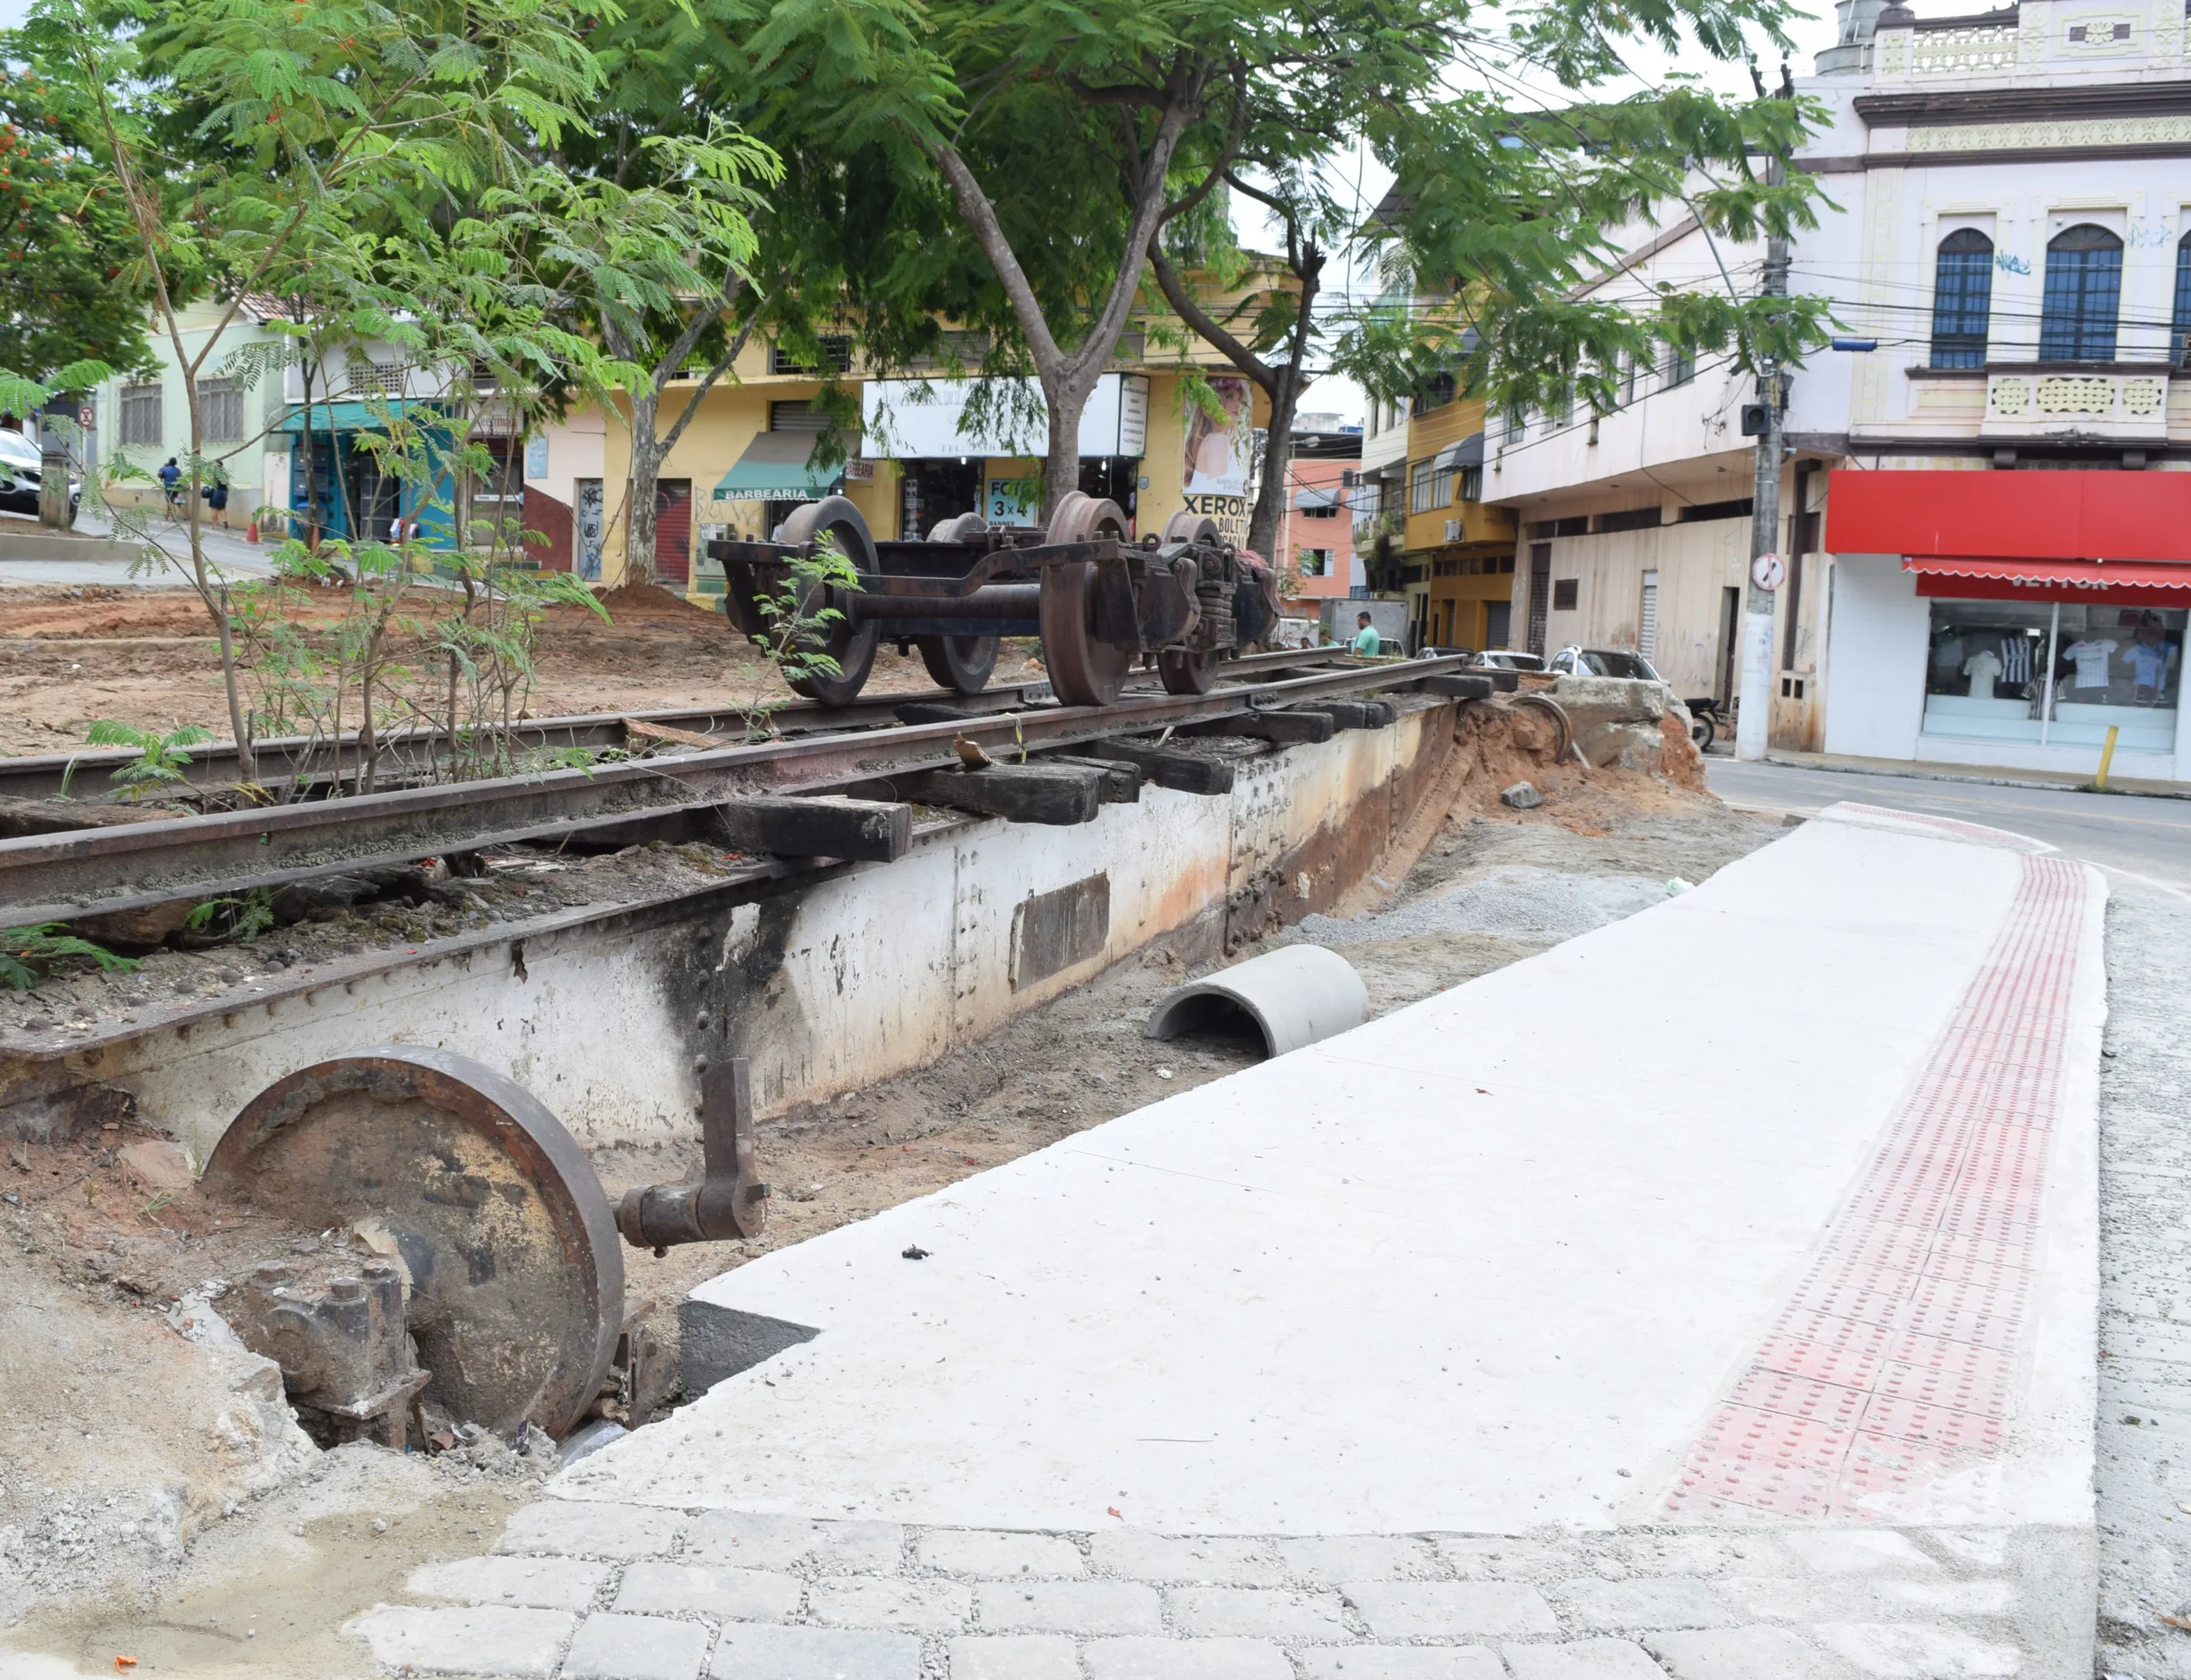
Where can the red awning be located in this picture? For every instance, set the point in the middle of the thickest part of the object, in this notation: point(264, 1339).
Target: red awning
point(2128, 583)
point(2043, 515)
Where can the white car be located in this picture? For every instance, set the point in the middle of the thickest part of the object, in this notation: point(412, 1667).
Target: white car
point(22, 472)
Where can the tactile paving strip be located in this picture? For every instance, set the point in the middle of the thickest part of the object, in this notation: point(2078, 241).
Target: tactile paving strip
point(1881, 816)
point(1884, 1388)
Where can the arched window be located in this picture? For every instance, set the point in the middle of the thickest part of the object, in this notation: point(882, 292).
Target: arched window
point(2084, 286)
point(1962, 298)
point(2179, 331)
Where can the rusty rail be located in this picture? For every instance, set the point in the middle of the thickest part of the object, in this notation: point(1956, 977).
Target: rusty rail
point(285, 758)
point(58, 877)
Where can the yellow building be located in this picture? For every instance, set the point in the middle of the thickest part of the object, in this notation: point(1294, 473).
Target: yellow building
point(915, 457)
point(1426, 533)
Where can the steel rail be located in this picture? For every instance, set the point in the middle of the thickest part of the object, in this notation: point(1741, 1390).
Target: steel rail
point(286, 758)
point(87, 871)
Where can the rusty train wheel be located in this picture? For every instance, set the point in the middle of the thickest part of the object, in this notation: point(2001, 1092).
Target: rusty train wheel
point(1185, 671)
point(851, 644)
point(963, 662)
point(517, 1278)
point(1083, 671)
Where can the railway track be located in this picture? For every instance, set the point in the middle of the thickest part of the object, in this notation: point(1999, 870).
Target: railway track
point(837, 783)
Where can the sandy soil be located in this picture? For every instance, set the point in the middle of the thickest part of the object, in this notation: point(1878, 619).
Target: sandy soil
point(70, 655)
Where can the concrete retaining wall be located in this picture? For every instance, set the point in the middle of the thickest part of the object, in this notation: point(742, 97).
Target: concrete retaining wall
point(831, 985)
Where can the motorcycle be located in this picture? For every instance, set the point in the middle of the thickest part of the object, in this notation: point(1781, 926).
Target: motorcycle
point(1705, 722)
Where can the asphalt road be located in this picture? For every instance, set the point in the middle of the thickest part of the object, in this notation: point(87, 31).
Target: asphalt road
point(2141, 841)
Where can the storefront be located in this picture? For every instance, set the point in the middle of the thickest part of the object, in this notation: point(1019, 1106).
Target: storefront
point(2010, 619)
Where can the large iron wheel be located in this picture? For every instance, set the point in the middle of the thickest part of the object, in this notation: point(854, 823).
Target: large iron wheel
point(963, 662)
point(517, 1279)
point(850, 642)
point(1187, 670)
point(1083, 671)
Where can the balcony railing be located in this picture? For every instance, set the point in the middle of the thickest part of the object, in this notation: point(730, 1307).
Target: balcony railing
point(2127, 405)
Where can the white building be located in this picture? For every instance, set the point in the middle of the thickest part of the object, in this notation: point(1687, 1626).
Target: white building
point(2012, 231)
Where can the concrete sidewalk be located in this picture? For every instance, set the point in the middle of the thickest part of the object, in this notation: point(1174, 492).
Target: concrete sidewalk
point(1714, 1294)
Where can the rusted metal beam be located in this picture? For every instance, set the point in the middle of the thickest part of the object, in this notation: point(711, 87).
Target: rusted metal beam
point(56, 877)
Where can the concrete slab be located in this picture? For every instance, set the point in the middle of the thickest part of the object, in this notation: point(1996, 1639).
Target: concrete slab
point(1719, 1285)
point(1491, 1262)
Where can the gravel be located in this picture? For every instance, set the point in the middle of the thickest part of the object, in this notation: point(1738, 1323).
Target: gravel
point(1517, 904)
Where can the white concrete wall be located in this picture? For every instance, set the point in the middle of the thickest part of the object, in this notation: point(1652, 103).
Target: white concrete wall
point(1875, 673)
point(867, 975)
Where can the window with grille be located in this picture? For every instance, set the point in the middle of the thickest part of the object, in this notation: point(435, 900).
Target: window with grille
point(1437, 391)
point(1963, 299)
point(2179, 332)
point(1565, 592)
point(836, 351)
point(220, 410)
point(141, 414)
point(2084, 286)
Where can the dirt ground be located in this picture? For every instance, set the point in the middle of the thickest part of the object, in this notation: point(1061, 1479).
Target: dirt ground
point(70, 655)
point(129, 1519)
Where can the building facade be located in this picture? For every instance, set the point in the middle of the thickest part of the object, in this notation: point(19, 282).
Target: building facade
point(1424, 531)
point(2008, 255)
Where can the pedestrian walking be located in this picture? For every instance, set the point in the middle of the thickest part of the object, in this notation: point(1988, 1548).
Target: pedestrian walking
point(217, 498)
point(170, 476)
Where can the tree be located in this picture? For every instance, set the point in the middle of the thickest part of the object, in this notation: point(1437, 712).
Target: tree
point(305, 124)
point(74, 290)
point(652, 250)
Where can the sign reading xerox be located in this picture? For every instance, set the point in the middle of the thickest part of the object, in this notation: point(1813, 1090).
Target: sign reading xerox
point(1231, 513)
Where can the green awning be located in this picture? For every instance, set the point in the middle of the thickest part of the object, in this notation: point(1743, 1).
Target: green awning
point(774, 468)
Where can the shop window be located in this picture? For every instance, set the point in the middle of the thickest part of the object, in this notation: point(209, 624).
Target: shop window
point(2179, 332)
point(1963, 299)
point(1987, 674)
point(2084, 286)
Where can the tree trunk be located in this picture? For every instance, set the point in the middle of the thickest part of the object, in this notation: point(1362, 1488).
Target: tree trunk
point(1270, 498)
point(1066, 399)
point(646, 470)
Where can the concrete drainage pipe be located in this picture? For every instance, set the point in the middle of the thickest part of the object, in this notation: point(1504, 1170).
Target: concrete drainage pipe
point(1289, 997)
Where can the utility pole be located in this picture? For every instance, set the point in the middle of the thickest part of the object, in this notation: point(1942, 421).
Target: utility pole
point(1753, 713)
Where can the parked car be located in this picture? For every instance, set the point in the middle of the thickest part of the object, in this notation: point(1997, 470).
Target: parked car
point(1603, 662)
point(1511, 659)
point(22, 472)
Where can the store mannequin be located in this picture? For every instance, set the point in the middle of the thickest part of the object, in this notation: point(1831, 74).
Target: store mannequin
point(1981, 668)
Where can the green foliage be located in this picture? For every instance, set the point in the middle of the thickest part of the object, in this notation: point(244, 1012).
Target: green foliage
point(241, 918)
point(161, 758)
point(75, 291)
point(28, 955)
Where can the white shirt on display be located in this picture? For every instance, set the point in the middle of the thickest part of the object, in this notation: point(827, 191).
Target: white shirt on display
point(1981, 668)
point(2092, 663)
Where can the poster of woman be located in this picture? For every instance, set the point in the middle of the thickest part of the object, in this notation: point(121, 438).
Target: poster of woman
point(1218, 446)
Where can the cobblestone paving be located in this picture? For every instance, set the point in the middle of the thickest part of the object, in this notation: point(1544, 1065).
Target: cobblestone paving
point(2144, 1460)
point(585, 1591)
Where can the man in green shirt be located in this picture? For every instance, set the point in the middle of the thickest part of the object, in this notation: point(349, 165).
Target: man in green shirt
point(1365, 639)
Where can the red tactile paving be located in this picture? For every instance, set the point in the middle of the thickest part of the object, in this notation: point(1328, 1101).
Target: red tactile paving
point(1889, 1376)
